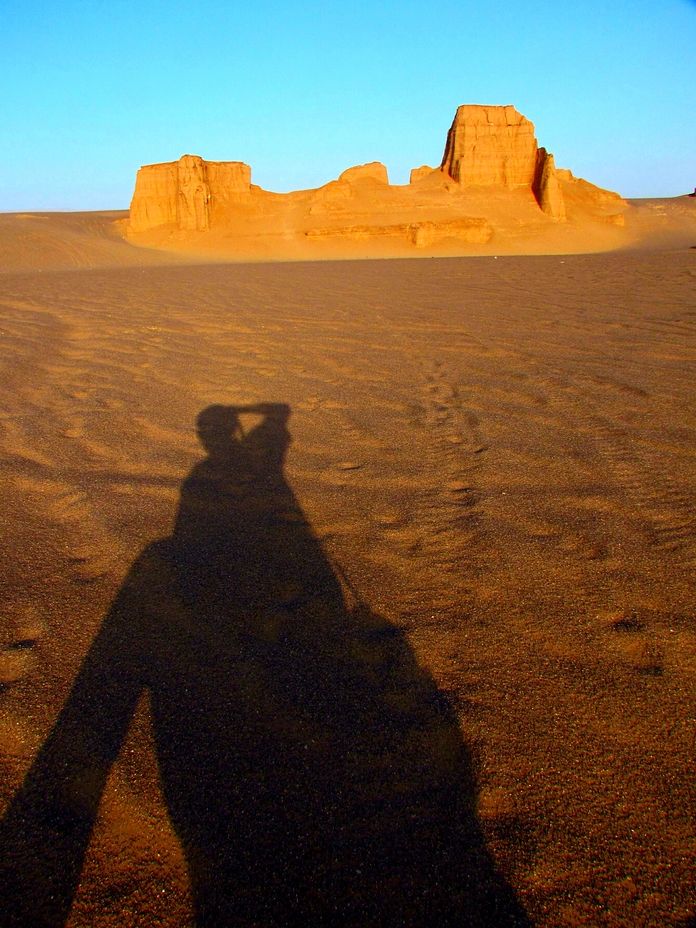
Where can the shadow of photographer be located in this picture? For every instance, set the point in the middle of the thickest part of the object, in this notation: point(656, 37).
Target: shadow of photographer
point(312, 770)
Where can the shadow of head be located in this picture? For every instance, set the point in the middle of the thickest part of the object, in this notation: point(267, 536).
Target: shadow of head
point(219, 429)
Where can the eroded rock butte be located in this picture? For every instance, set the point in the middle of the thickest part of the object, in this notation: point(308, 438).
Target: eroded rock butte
point(493, 177)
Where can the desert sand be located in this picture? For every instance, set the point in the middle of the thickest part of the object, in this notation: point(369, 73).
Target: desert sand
point(349, 592)
point(498, 453)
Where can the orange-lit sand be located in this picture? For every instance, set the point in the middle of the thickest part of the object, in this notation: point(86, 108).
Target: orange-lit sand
point(500, 453)
point(371, 219)
point(53, 241)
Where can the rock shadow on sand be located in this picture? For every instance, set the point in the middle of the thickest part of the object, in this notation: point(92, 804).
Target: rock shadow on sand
point(312, 770)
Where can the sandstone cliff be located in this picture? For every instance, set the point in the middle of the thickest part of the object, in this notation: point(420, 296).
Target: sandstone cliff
point(186, 193)
point(420, 234)
point(193, 200)
point(494, 185)
point(155, 196)
point(496, 146)
point(489, 145)
point(374, 171)
point(547, 187)
point(418, 173)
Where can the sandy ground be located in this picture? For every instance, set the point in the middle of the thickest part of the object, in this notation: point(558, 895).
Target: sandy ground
point(53, 241)
point(56, 241)
point(500, 455)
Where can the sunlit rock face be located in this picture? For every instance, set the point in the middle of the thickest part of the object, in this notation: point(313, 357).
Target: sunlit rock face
point(155, 196)
point(374, 171)
point(419, 173)
point(490, 145)
point(187, 192)
point(492, 162)
point(193, 199)
point(496, 146)
point(547, 187)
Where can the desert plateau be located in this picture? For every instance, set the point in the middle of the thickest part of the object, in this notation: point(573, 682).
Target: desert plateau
point(349, 550)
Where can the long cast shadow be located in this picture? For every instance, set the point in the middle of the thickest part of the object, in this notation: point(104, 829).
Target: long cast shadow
point(312, 770)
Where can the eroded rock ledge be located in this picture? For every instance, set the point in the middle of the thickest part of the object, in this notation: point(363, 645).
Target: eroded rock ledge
point(492, 163)
point(187, 193)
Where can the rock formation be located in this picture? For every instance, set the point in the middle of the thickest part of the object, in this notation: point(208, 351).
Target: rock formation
point(489, 145)
point(493, 177)
point(192, 202)
point(587, 191)
point(466, 230)
point(375, 170)
point(418, 173)
point(547, 187)
point(330, 197)
point(186, 193)
point(496, 146)
point(155, 196)
point(420, 234)
point(229, 181)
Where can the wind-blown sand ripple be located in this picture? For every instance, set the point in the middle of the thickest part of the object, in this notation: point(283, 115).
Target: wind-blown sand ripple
point(501, 456)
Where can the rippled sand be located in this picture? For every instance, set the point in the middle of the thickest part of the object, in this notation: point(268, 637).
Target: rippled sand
point(500, 454)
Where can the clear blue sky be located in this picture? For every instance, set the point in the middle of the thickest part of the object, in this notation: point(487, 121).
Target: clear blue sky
point(92, 89)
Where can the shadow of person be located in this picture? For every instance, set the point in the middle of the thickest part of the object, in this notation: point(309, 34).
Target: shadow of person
point(312, 770)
